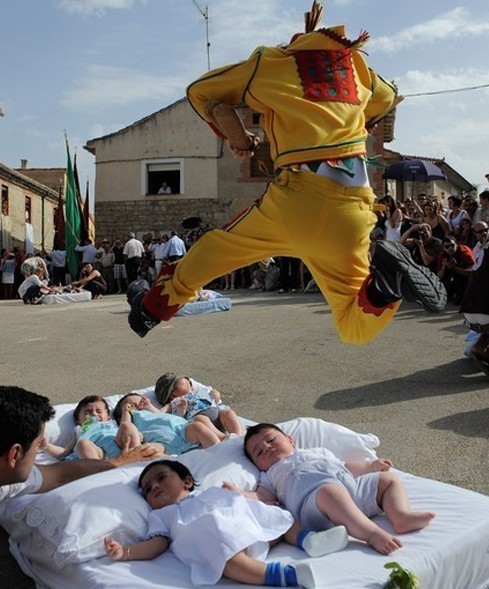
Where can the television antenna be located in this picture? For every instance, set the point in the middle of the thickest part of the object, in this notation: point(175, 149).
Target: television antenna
point(204, 11)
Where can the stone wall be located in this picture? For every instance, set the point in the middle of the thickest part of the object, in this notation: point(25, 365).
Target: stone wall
point(115, 219)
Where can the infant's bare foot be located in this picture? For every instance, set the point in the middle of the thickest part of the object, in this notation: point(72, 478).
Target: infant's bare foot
point(383, 542)
point(414, 520)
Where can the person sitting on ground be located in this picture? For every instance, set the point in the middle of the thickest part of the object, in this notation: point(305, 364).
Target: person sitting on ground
point(266, 276)
point(321, 491)
point(34, 286)
point(96, 435)
point(454, 268)
point(423, 246)
point(23, 417)
point(196, 402)
point(175, 433)
point(91, 280)
point(212, 530)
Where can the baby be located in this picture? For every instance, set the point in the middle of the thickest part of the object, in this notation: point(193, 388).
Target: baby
point(212, 531)
point(197, 403)
point(96, 435)
point(156, 425)
point(321, 491)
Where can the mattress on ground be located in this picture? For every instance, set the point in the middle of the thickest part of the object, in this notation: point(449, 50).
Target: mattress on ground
point(210, 306)
point(67, 297)
point(57, 537)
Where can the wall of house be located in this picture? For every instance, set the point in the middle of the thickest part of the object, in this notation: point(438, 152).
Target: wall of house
point(13, 226)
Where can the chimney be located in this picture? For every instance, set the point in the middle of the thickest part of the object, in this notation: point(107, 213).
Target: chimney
point(24, 164)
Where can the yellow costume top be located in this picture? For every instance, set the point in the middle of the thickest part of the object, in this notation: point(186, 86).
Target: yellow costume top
point(315, 96)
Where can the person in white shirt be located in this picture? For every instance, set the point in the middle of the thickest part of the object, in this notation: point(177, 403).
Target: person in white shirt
point(175, 248)
point(158, 250)
point(164, 189)
point(133, 252)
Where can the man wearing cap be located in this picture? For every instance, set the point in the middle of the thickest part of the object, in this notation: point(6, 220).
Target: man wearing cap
point(317, 99)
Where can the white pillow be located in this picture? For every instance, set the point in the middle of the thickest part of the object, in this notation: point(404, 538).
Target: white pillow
point(68, 524)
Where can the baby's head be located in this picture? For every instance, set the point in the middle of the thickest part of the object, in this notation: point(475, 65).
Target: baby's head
point(171, 385)
point(265, 444)
point(164, 482)
point(131, 399)
point(91, 406)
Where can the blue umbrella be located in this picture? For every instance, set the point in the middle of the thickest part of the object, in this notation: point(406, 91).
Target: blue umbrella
point(414, 171)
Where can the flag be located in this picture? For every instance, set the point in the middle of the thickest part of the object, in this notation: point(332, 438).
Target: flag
point(86, 216)
point(59, 225)
point(84, 223)
point(73, 217)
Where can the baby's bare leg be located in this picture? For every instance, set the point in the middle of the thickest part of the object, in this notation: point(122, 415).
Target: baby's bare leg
point(335, 503)
point(244, 569)
point(86, 449)
point(393, 499)
point(198, 432)
point(230, 421)
point(208, 423)
point(128, 433)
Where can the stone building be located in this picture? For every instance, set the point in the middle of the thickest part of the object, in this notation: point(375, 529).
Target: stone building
point(28, 211)
point(175, 146)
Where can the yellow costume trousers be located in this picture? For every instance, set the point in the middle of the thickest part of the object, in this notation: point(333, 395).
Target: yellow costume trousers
point(302, 215)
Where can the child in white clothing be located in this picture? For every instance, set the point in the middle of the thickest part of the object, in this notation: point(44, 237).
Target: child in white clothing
point(183, 396)
point(210, 531)
point(321, 491)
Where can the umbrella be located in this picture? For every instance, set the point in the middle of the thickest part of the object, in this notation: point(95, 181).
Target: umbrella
point(414, 171)
point(191, 223)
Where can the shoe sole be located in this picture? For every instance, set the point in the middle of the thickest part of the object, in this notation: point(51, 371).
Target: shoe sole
point(418, 283)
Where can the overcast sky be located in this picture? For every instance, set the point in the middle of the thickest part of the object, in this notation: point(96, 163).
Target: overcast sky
point(91, 67)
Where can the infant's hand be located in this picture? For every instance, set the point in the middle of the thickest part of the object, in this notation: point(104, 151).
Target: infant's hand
point(230, 487)
point(144, 403)
point(114, 549)
point(381, 464)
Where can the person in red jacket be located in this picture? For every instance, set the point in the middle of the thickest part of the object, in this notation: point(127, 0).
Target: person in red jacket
point(454, 266)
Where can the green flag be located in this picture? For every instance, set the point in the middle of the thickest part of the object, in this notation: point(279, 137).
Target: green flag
point(73, 218)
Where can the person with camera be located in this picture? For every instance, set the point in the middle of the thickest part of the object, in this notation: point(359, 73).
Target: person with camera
point(454, 268)
point(424, 248)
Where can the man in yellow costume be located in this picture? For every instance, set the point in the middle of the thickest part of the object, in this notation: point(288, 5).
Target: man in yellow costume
point(317, 97)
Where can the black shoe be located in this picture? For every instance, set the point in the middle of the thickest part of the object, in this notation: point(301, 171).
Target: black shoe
point(135, 288)
point(397, 276)
point(140, 320)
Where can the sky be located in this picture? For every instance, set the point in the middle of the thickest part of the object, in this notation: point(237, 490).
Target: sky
point(92, 67)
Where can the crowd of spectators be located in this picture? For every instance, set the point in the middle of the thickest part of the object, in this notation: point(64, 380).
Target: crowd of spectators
point(440, 238)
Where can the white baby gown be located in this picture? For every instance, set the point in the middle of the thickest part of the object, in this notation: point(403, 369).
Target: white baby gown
point(209, 527)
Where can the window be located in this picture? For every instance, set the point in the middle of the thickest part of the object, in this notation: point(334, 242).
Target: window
point(5, 203)
point(28, 210)
point(163, 176)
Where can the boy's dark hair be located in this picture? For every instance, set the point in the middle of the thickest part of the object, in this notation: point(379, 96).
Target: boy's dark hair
point(181, 470)
point(253, 430)
point(85, 401)
point(117, 413)
point(22, 414)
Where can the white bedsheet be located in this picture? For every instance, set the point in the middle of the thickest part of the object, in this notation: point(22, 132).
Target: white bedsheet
point(67, 297)
point(452, 553)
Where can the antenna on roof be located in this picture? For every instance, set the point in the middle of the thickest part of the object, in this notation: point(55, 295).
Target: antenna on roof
point(204, 11)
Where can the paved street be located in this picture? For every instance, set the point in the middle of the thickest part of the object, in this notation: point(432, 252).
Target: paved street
point(273, 357)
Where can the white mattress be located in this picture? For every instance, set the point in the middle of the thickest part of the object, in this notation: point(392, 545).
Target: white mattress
point(451, 553)
point(67, 297)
